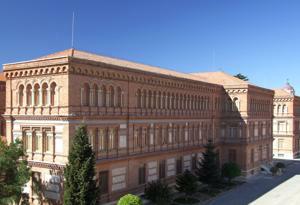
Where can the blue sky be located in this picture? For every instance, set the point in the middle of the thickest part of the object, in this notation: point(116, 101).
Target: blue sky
point(259, 38)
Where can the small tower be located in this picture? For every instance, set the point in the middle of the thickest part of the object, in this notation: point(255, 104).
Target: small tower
point(289, 88)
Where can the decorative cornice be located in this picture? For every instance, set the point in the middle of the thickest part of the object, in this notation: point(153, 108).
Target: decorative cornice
point(40, 71)
point(236, 90)
point(46, 165)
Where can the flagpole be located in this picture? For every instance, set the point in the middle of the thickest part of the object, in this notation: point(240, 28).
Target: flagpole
point(72, 41)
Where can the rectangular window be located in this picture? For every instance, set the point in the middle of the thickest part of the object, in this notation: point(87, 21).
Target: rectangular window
point(103, 182)
point(179, 165)
point(91, 138)
point(186, 135)
point(48, 141)
point(233, 132)
point(232, 155)
point(27, 139)
point(170, 136)
point(162, 169)
point(280, 143)
point(281, 126)
point(264, 130)
point(142, 174)
point(255, 130)
point(112, 138)
point(101, 140)
point(37, 136)
point(252, 155)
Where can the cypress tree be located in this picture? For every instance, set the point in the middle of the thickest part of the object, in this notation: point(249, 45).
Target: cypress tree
point(80, 186)
point(208, 171)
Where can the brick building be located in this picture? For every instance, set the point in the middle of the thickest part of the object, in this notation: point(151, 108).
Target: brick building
point(286, 126)
point(145, 123)
point(2, 104)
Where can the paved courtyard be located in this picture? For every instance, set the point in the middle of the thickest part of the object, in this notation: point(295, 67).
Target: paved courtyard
point(264, 190)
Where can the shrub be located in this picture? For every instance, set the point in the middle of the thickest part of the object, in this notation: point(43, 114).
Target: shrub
point(274, 170)
point(130, 199)
point(230, 170)
point(280, 165)
point(186, 183)
point(158, 192)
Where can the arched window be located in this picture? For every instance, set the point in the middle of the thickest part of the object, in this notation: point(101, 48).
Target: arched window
point(192, 102)
point(52, 93)
point(29, 95)
point(86, 94)
point(36, 94)
point(21, 95)
point(163, 100)
point(159, 100)
point(181, 102)
point(119, 97)
point(184, 102)
point(284, 109)
point(111, 96)
point(154, 99)
point(278, 109)
point(168, 100)
point(103, 96)
point(95, 95)
point(235, 104)
point(138, 98)
point(149, 99)
point(172, 101)
point(144, 99)
point(44, 94)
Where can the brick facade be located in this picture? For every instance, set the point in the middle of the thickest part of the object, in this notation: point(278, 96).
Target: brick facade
point(144, 122)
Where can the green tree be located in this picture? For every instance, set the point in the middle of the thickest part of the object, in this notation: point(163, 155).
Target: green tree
point(230, 170)
point(158, 192)
point(241, 76)
point(80, 186)
point(208, 171)
point(14, 172)
point(186, 183)
point(130, 199)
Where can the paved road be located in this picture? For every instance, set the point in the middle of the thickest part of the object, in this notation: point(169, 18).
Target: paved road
point(256, 187)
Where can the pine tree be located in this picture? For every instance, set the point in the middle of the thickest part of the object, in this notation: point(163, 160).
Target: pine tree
point(186, 183)
point(208, 171)
point(14, 172)
point(242, 77)
point(80, 186)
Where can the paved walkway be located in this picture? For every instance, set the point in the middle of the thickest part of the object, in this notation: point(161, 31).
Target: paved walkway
point(264, 190)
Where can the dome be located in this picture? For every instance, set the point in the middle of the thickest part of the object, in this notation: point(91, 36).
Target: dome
point(289, 88)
